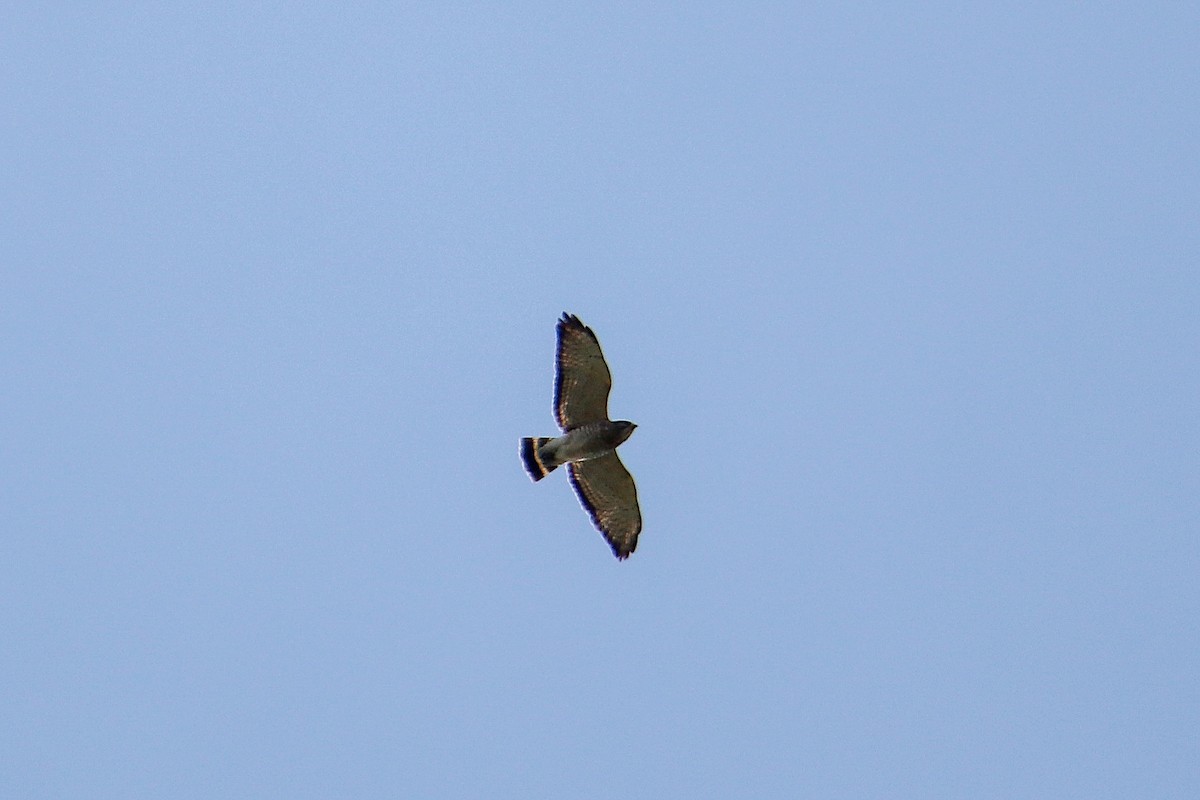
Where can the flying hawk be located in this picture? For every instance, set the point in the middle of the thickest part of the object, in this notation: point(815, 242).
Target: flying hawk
point(589, 442)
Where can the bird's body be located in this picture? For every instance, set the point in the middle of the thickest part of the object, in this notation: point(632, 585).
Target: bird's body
point(584, 443)
point(590, 439)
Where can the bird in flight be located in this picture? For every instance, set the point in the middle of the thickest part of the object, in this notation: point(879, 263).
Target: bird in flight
point(589, 440)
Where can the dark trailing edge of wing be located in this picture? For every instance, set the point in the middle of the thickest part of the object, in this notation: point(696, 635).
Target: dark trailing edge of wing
point(574, 323)
point(617, 547)
point(567, 321)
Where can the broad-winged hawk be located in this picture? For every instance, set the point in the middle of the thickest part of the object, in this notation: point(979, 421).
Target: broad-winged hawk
point(589, 442)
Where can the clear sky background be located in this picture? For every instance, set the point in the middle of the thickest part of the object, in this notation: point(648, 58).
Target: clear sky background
point(903, 297)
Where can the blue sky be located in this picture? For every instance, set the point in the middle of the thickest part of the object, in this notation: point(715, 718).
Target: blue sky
point(903, 299)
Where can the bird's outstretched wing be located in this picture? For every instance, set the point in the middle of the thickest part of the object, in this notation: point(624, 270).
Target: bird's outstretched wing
point(582, 380)
point(607, 491)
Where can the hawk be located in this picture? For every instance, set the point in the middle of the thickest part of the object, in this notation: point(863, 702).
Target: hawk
point(588, 445)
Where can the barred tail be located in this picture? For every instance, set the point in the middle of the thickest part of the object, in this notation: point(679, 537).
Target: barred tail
point(534, 465)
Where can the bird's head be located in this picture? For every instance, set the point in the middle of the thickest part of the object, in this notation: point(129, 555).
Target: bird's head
point(626, 429)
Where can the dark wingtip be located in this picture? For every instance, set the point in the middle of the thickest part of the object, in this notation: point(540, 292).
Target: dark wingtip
point(572, 322)
point(620, 552)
